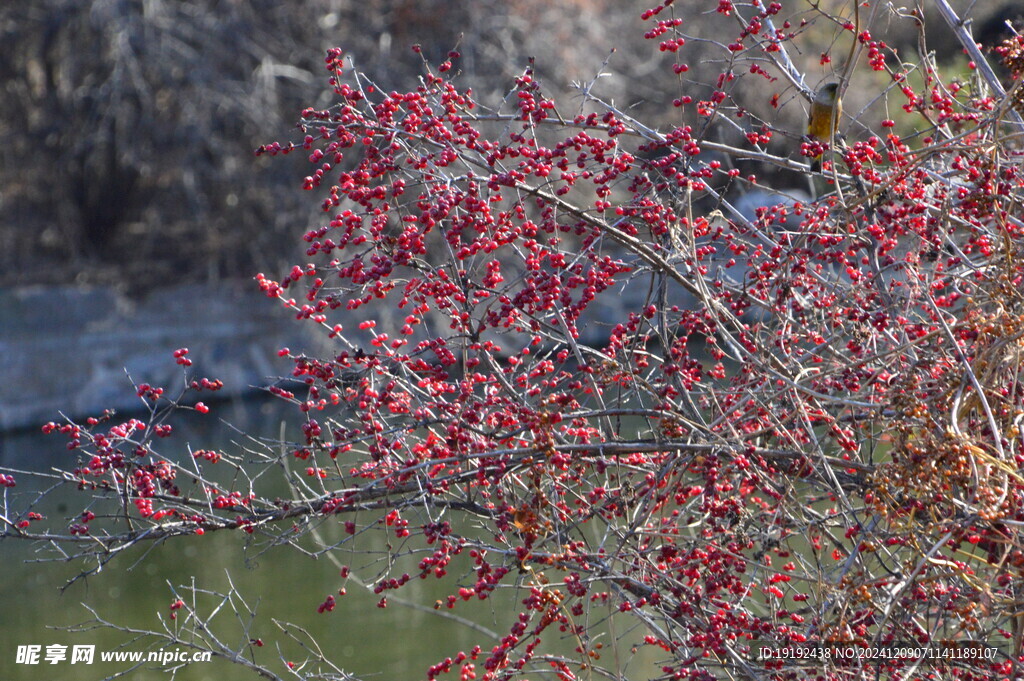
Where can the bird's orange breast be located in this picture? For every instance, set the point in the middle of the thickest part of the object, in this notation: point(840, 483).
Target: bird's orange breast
point(822, 123)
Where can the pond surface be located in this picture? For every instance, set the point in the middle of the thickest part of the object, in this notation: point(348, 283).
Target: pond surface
point(397, 642)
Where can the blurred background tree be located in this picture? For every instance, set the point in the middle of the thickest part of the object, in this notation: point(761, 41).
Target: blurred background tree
point(127, 126)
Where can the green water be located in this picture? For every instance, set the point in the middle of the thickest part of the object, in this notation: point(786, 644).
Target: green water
point(397, 642)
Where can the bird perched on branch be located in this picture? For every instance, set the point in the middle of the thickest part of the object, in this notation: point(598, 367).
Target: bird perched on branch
point(826, 108)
